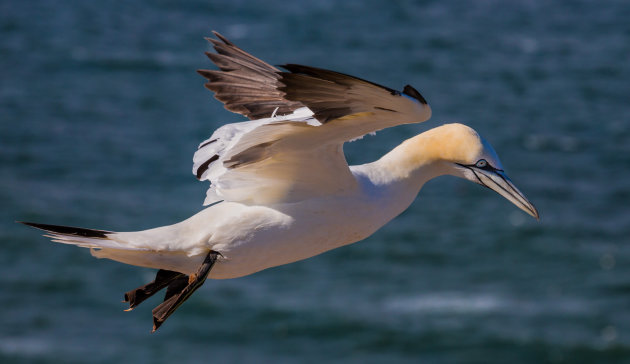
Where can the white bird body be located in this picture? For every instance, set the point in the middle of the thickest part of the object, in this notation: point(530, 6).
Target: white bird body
point(281, 189)
point(251, 238)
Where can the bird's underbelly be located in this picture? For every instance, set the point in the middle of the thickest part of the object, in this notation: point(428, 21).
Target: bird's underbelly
point(289, 241)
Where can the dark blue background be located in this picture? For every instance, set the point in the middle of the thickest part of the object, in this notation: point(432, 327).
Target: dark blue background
point(101, 111)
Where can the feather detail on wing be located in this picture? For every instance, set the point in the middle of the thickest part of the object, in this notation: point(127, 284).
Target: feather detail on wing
point(296, 156)
point(244, 83)
point(278, 159)
point(332, 95)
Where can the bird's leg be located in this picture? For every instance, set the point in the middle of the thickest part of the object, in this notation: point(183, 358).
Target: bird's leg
point(163, 278)
point(179, 290)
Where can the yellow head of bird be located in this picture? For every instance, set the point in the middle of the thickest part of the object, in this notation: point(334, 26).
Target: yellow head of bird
point(459, 150)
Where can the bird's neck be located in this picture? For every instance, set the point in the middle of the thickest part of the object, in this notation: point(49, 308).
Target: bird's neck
point(398, 176)
point(410, 165)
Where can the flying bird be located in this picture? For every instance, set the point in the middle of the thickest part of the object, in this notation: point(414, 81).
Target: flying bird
point(280, 187)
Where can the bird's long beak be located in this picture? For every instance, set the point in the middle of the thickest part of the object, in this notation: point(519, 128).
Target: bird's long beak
point(497, 181)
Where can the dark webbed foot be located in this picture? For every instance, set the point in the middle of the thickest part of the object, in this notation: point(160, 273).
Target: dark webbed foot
point(177, 292)
point(179, 287)
point(163, 278)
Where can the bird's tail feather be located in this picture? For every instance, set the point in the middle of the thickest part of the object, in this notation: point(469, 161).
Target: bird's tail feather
point(132, 248)
point(86, 238)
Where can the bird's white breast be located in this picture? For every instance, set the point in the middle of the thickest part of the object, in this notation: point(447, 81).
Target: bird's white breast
point(253, 238)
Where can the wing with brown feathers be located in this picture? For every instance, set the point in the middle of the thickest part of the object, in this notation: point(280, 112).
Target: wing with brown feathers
point(290, 157)
point(254, 88)
point(333, 95)
point(244, 83)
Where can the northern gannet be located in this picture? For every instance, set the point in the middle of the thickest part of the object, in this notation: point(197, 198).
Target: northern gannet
point(281, 189)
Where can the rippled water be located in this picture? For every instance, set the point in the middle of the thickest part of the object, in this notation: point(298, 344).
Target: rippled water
point(101, 111)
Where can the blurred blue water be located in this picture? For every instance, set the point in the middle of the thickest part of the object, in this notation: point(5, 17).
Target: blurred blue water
point(101, 111)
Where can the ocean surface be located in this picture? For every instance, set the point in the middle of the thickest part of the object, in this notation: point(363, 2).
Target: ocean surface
point(101, 111)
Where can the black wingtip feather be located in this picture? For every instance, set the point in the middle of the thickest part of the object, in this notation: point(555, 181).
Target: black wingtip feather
point(412, 92)
point(69, 230)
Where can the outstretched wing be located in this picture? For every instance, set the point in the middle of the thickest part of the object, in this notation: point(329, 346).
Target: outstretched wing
point(244, 83)
point(332, 95)
point(297, 155)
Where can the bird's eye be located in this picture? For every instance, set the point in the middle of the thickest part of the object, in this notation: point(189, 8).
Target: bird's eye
point(481, 163)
